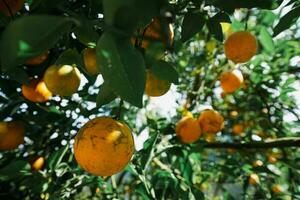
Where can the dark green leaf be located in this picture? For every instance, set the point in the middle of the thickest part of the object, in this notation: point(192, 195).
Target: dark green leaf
point(122, 67)
point(192, 24)
point(31, 36)
point(165, 70)
point(105, 95)
point(214, 25)
point(287, 20)
point(70, 57)
point(14, 169)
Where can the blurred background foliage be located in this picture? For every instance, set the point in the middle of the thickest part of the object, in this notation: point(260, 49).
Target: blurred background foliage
point(266, 106)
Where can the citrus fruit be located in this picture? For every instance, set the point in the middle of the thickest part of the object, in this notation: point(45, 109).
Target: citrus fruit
point(257, 163)
point(231, 81)
point(103, 146)
point(38, 164)
point(11, 6)
point(237, 129)
point(63, 80)
point(90, 61)
point(188, 130)
point(240, 46)
point(155, 86)
point(11, 135)
point(276, 188)
point(38, 59)
point(211, 121)
point(253, 179)
point(36, 91)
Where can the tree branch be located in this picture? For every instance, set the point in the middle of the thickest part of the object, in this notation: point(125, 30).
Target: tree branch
point(279, 143)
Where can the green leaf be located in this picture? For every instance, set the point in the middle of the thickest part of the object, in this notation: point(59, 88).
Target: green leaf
point(287, 21)
point(18, 74)
point(197, 194)
point(122, 67)
point(56, 157)
point(165, 70)
point(214, 25)
point(266, 40)
point(140, 189)
point(86, 33)
point(192, 24)
point(70, 57)
point(30, 36)
point(14, 169)
point(105, 95)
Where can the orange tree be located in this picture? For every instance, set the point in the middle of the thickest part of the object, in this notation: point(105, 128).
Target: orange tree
point(79, 78)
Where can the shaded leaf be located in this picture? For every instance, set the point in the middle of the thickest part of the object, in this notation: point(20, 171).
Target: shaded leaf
point(286, 21)
point(105, 95)
point(192, 24)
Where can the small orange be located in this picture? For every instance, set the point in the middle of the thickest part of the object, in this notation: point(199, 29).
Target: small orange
point(188, 130)
point(276, 188)
point(90, 61)
point(11, 135)
point(253, 179)
point(36, 91)
point(38, 164)
point(272, 159)
point(257, 163)
point(231, 81)
point(155, 32)
point(38, 59)
point(11, 6)
point(155, 86)
point(240, 46)
point(211, 121)
point(103, 146)
point(238, 129)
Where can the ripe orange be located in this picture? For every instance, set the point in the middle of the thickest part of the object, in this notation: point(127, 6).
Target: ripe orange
point(103, 146)
point(62, 80)
point(231, 81)
point(257, 163)
point(12, 7)
point(155, 32)
point(155, 86)
point(253, 179)
point(188, 130)
point(240, 46)
point(238, 129)
point(11, 135)
point(38, 164)
point(272, 159)
point(211, 121)
point(36, 91)
point(38, 59)
point(277, 188)
point(90, 61)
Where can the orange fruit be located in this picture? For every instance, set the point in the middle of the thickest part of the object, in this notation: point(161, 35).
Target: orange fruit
point(36, 91)
point(11, 6)
point(63, 80)
point(257, 163)
point(103, 146)
point(155, 32)
point(253, 179)
point(90, 61)
point(155, 86)
point(238, 129)
point(38, 164)
point(11, 135)
point(272, 159)
point(240, 46)
point(211, 121)
point(38, 59)
point(277, 188)
point(188, 130)
point(231, 81)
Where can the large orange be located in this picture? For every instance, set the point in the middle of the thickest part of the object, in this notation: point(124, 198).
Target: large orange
point(155, 32)
point(11, 135)
point(36, 91)
point(211, 121)
point(231, 81)
point(90, 61)
point(155, 86)
point(38, 163)
point(103, 146)
point(63, 80)
point(38, 59)
point(188, 130)
point(11, 6)
point(240, 46)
